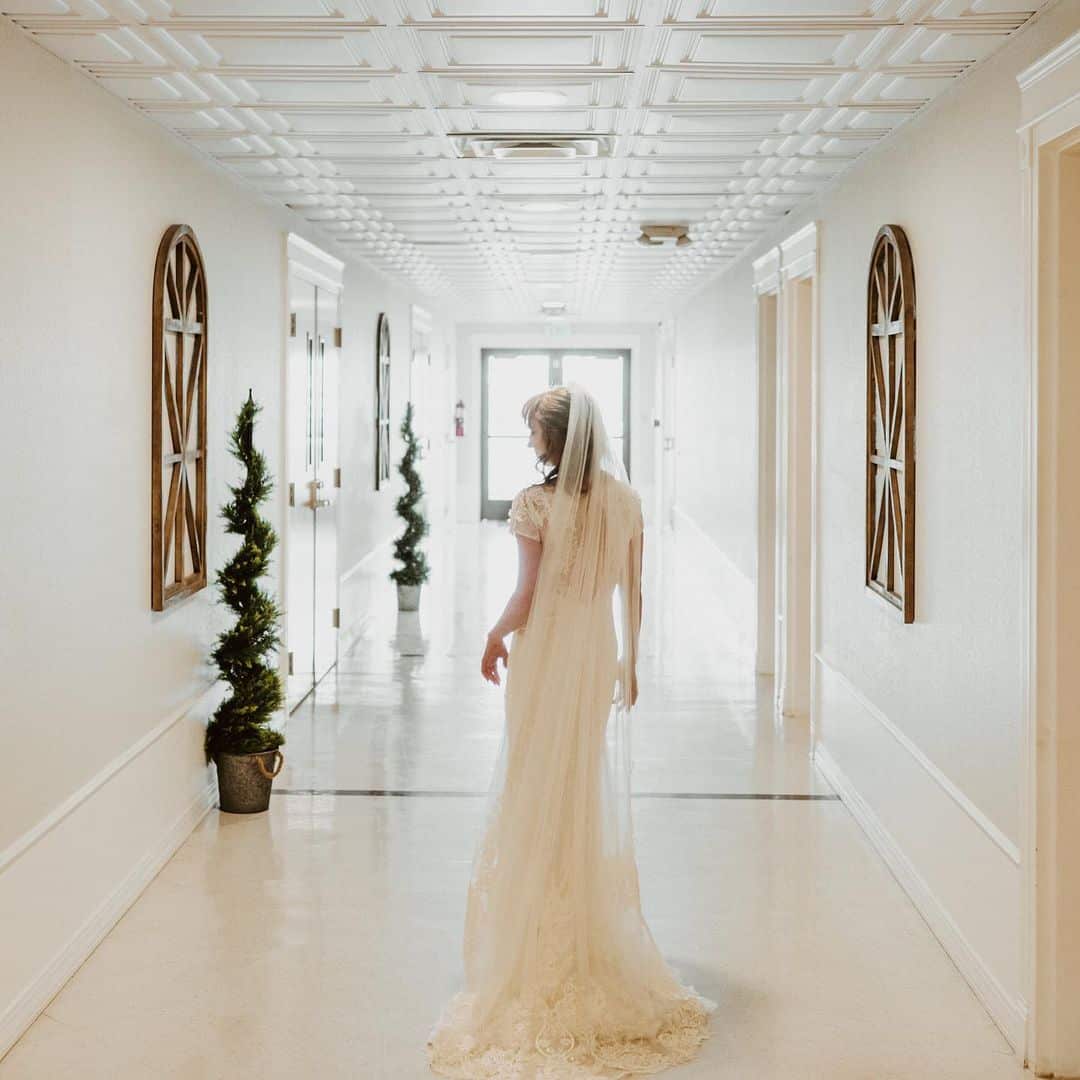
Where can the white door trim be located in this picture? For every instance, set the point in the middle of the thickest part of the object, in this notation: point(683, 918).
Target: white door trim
point(776, 273)
point(311, 263)
point(1050, 108)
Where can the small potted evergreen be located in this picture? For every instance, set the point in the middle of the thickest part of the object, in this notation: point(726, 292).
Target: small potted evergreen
point(238, 736)
point(414, 569)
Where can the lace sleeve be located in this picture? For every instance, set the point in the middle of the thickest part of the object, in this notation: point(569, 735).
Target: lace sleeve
point(522, 520)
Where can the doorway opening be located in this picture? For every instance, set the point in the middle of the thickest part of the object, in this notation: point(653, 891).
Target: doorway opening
point(508, 378)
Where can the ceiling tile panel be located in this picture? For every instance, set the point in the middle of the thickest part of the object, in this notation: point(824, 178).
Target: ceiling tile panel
point(506, 153)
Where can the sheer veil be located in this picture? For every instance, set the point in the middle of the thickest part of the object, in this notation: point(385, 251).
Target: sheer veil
point(559, 961)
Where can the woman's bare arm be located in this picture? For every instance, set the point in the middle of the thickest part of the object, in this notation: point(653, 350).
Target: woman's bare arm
point(517, 607)
point(516, 612)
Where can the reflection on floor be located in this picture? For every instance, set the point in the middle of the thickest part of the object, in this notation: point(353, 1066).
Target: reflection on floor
point(321, 939)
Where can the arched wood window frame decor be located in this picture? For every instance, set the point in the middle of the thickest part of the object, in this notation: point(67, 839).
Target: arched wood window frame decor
point(178, 409)
point(890, 421)
point(382, 401)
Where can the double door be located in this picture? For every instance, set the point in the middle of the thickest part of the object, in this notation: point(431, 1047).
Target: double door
point(314, 476)
point(510, 377)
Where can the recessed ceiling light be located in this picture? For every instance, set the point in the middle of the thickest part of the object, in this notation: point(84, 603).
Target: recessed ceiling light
point(530, 99)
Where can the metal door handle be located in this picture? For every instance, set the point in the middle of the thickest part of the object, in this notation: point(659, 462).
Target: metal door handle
point(315, 503)
point(309, 425)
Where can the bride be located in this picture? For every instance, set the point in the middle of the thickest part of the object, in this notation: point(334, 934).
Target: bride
point(563, 979)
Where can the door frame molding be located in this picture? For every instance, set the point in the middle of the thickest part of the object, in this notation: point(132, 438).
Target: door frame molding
point(1050, 128)
point(767, 343)
point(311, 263)
point(793, 261)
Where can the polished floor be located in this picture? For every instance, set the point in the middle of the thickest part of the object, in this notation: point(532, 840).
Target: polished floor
point(320, 939)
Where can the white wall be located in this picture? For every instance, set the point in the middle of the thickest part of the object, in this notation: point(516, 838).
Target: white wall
point(716, 421)
point(105, 700)
point(639, 338)
point(920, 725)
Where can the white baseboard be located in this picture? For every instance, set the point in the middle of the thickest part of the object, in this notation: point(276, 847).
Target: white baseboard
point(93, 857)
point(961, 880)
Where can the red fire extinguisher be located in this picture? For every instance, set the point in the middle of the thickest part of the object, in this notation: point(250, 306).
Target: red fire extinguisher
point(459, 418)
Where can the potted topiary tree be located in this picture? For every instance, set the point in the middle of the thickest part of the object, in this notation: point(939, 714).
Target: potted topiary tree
point(238, 737)
point(414, 569)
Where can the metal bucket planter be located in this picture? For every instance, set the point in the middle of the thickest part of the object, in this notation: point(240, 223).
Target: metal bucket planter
point(408, 597)
point(244, 780)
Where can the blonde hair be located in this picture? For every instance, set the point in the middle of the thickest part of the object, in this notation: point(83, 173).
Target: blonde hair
point(551, 408)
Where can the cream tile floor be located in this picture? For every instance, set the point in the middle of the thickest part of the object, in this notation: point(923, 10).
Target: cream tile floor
point(321, 939)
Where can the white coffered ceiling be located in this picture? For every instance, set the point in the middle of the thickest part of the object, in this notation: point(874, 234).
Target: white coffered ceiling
point(377, 119)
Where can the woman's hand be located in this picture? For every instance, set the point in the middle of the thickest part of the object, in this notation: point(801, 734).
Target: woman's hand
point(489, 663)
point(627, 695)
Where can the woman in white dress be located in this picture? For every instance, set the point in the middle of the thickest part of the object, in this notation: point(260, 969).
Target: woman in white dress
point(563, 978)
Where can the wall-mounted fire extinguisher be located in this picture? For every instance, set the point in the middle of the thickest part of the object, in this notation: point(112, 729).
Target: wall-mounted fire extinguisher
point(459, 418)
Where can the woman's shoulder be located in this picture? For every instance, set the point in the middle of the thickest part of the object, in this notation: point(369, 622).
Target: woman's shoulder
point(536, 491)
point(626, 491)
point(533, 499)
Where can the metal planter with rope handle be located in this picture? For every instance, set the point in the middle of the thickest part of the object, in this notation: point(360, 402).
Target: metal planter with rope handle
point(245, 780)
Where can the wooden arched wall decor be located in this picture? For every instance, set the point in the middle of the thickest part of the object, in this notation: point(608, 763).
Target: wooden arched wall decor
point(178, 408)
point(890, 421)
point(382, 401)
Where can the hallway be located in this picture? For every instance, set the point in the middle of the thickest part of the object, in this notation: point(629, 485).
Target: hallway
point(320, 939)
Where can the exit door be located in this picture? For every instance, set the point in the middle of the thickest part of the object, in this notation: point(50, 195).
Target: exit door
point(511, 376)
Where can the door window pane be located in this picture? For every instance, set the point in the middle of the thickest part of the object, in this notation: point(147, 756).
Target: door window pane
point(511, 466)
point(602, 376)
point(512, 379)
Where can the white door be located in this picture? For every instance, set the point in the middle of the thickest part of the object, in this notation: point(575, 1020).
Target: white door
point(300, 469)
point(325, 493)
point(312, 462)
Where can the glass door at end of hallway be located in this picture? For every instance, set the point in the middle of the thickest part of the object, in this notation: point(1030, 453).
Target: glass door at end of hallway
point(509, 377)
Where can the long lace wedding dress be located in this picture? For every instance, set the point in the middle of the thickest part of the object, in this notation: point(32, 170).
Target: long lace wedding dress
point(563, 978)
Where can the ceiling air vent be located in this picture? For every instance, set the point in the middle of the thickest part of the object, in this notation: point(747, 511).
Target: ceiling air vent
point(531, 146)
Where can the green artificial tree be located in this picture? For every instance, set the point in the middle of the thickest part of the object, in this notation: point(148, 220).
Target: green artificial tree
point(240, 723)
point(414, 569)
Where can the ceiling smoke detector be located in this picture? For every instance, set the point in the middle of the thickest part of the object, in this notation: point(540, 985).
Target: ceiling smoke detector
point(664, 236)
